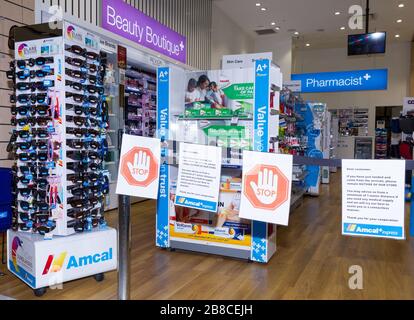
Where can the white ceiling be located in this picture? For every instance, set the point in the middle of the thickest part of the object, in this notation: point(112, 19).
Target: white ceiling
point(307, 16)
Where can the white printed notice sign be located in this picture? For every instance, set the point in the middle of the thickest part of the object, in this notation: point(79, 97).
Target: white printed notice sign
point(373, 198)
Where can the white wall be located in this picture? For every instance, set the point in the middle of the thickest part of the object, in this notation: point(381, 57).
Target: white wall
point(397, 60)
point(282, 52)
point(227, 38)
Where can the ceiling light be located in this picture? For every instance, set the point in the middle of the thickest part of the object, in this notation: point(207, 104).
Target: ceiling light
point(342, 28)
point(263, 9)
point(273, 23)
point(277, 28)
point(308, 44)
point(296, 33)
point(397, 35)
point(399, 20)
point(337, 13)
point(258, 4)
point(401, 5)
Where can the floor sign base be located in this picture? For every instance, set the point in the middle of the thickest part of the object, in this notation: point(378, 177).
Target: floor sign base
point(44, 263)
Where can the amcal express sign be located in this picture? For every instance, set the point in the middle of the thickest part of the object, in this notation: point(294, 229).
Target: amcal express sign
point(130, 23)
point(56, 263)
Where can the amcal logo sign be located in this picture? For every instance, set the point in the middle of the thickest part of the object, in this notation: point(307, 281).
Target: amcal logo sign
point(55, 263)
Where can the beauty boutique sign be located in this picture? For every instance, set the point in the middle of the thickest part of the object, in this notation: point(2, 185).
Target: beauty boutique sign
point(130, 23)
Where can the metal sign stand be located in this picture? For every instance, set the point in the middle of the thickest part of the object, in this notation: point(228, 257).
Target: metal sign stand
point(124, 247)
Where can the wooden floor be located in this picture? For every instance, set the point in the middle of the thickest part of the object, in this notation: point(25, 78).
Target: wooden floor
point(311, 263)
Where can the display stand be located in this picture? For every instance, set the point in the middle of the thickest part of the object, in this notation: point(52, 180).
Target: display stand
point(61, 121)
point(246, 121)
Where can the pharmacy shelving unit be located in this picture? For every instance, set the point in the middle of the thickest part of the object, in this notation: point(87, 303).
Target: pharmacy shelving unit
point(252, 96)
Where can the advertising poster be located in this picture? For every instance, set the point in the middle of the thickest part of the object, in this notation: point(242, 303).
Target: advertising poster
point(199, 177)
point(373, 198)
point(266, 187)
point(139, 169)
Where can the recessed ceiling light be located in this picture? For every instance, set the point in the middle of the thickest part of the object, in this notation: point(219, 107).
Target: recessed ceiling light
point(401, 5)
point(273, 23)
point(342, 28)
point(399, 20)
point(337, 13)
point(308, 44)
point(277, 28)
point(296, 33)
point(397, 35)
point(258, 4)
point(263, 9)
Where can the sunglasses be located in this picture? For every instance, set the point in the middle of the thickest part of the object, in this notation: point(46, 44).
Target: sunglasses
point(40, 61)
point(40, 133)
point(79, 121)
point(82, 132)
point(42, 230)
point(41, 156)
point(82, 98)
point(33, 98)
point(40, 85)
point(89, 88)
point(40, 145)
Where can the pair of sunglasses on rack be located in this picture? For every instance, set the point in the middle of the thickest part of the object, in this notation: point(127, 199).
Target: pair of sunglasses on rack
point(39, 156)
point(80, 213)
point(83, 167)
point(36, 206)
point(32, 180)
point(81, 121)
point(80, 63)
point(41, 121)
point(84, 155)
point(32, 171)
point(33, 86)
point(81, 75)
point(31, 98)
point(84, 53)
point(41, 110)
point(85, 178)
point(84, 202)
point(82, 98)
point(83, 133)
point(85, 110)
point(40, 133)
point(78, 144)
point(25, 74)
point(30, 145)
point(82, 87)
point(40, 61)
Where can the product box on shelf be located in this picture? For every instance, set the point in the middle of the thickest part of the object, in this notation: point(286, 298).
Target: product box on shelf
point(224, 227)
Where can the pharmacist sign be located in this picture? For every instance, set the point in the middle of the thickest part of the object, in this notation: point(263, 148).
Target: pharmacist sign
point(130, 23)
point(358, 80)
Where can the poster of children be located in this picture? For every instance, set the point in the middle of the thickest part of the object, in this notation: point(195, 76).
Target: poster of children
point(202, 90)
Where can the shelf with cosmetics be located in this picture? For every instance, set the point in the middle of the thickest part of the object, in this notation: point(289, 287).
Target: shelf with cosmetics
point(140, 101)
point(60, 119)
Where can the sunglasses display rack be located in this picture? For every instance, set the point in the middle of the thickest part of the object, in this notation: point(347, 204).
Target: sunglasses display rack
point(60, 120)
point(140, 102)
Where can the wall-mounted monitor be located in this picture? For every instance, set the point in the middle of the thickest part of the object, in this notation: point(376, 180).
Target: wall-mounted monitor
point(369, 43)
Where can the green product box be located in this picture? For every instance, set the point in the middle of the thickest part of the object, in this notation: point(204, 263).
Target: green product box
point(192, 113)
point(224, 113)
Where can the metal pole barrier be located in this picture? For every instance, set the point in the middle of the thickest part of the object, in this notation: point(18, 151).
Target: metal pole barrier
point(124, 245)
point(412, 206)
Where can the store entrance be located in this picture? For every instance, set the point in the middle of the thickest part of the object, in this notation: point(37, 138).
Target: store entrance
point(388, 137)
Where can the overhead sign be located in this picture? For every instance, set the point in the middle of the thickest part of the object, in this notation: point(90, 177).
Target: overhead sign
point(373, 198)
point(266, 189)
point(358, 80)
point(198, 182)
point(130, 23)
point(244, 60)
point(139, 169)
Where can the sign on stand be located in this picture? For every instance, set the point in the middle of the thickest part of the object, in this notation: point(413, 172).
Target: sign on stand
point(199, 174)
point(266, 189)
point(373, 198)
point(139, 169)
